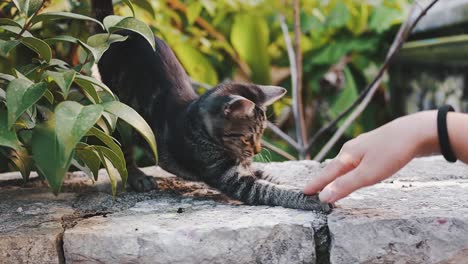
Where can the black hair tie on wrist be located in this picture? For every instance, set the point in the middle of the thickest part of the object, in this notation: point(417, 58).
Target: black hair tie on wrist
point(442, 131)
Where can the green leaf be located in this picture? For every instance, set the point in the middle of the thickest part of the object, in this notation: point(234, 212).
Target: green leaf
point(10, 22)
point(134, 119)
point(21, 95)
point(64, 38)
point(28, 7)
point(16, 30)
point(249, 37)
point(100, 43)
point(58, 63)
point(49, 96)
point(193, 11)
point(347, 96)
point(22, 161)
point(38, 46)
point(54, 141)
point(89, 90)
point(8, 137)
point(118, 163)
point(108, 140)
point(116, 23)
point(130, 5)
point(91, 159)
point(63, 79)
point(339, 16)
point(146, 6)
point(7, 77)
point(197, 66)
point(63, 15)
point(111, 171)
point(383, 18)
point(91, 80)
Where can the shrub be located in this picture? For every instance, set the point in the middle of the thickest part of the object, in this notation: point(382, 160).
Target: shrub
point(53, 115)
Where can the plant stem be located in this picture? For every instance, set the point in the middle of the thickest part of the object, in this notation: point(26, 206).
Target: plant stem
point(28, 24)
point(277, 150)
point(368, 93)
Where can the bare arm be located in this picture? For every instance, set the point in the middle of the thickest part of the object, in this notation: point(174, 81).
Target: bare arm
point(378, 154)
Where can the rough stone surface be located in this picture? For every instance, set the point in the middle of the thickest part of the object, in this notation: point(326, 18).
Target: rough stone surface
point(170, 230)
point(30, 225)
point(420, 215)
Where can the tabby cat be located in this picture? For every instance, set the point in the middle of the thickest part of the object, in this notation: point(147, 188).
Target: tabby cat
point(211, 138)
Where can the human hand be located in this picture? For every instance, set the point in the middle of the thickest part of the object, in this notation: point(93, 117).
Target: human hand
point(376, 155)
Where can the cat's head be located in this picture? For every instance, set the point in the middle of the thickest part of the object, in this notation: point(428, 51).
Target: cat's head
point(234, 115)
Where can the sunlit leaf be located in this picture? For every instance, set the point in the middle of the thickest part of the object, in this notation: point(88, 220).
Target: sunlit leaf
point(63, 15)
point(196, 65)
point(130, 5)
point(63, 79)
point(193, 11)
point(100, 43)
point(383, 18)
point(116, 23)
point(249, 37)
point(20, 95)
point(22, 161)
point(28, 7)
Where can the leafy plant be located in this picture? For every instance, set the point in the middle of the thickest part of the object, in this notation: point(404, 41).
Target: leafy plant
point(52, 113)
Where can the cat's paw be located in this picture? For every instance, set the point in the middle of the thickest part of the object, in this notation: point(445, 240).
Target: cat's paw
point(141, 182)
point(313, 203)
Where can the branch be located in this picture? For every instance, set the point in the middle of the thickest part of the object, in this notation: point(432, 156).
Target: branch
point(301, 130)
point(368, 93)
point(283, 135)
point(295, 61)
point(277, 150)
point(28, 24)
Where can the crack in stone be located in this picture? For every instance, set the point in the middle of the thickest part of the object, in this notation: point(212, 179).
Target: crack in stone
point(322, 240)
point(67, 222)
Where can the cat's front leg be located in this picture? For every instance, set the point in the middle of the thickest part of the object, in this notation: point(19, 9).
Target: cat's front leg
point(266, 176)
point(237, 183)
point(137, 179)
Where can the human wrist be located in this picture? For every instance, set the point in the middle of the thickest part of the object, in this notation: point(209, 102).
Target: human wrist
point(426, 136)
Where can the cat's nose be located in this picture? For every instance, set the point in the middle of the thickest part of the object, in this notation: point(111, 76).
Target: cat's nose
point(258, 147)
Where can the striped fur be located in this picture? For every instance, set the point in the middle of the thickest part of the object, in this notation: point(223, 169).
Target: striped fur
point(211, 138)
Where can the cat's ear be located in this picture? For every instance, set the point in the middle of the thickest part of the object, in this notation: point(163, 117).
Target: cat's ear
point(271, 93)
point(239, 107)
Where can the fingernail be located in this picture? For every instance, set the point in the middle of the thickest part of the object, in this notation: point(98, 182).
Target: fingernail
point(327, 195)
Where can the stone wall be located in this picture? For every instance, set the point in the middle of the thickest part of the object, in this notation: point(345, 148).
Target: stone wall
point(420, 215)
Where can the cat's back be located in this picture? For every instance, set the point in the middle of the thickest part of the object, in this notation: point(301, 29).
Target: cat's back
point(151, 81)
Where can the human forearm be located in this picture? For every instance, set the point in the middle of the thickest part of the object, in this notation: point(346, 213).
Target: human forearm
point(378, 154)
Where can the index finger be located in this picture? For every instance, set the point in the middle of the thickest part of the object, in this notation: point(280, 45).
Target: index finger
point(340, 165)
